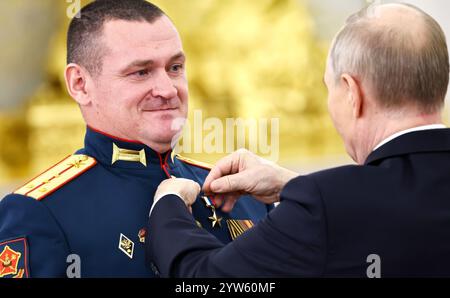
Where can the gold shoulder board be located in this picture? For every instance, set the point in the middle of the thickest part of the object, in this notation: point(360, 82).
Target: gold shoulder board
point(196, 163)
point(55, 177)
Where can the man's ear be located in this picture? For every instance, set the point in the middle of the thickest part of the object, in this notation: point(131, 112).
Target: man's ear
point(354, 93)
point(77, 83)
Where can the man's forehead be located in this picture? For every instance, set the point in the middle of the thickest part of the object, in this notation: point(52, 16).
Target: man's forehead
point(118, 33)
point(141, 40)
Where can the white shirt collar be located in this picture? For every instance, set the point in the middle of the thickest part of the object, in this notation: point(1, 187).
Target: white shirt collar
point(397, 134)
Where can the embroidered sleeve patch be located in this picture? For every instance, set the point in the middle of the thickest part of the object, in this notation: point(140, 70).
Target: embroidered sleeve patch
point(14, 258)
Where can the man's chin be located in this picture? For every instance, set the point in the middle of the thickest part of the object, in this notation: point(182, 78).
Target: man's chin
point(163, 130)
point(160, 137)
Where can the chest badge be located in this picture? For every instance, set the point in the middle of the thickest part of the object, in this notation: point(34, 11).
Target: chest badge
point(126, 245)
point(142, 233)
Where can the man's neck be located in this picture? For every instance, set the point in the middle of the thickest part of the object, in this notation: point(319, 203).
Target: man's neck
point(388, 127)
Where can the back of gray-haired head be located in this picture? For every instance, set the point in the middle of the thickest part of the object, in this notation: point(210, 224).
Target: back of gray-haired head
point(402, 63)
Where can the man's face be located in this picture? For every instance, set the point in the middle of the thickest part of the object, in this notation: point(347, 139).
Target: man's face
point(142, 87)
point(338, 107)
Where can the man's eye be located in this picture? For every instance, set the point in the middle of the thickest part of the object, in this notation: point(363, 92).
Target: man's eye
point(140, 73)
point(176, 68)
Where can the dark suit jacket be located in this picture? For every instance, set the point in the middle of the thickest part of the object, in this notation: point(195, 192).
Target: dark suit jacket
point(396, 205)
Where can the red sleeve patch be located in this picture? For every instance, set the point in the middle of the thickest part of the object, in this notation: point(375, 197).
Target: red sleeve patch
point(14, 258)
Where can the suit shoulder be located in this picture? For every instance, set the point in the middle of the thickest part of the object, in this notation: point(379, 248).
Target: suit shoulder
point(57, 176)
point(195, 163)
point(336, 171)
point(329, 178)
point(348, 174)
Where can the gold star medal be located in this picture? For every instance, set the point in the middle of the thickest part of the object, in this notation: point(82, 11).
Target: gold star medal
point(216, 220)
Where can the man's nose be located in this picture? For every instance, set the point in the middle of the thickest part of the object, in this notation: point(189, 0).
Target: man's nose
point(163, 86)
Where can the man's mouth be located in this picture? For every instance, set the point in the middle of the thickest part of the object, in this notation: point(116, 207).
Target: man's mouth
point(160, 105)
point(162, 109)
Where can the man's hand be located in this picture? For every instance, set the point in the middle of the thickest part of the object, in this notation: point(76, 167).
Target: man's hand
point(243, 172)
point(186, 189)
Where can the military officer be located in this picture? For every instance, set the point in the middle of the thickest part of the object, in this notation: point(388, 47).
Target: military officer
point(86, 215)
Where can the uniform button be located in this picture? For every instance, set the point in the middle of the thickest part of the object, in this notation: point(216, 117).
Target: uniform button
point(154, 269)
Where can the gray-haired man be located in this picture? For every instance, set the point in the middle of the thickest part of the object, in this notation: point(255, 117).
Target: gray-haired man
point(387, 76)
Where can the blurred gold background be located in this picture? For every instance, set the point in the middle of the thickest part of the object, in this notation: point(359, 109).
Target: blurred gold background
point(248, 59)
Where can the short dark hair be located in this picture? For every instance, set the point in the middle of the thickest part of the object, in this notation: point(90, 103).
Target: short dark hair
point(84, 35)
point(392, 61)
